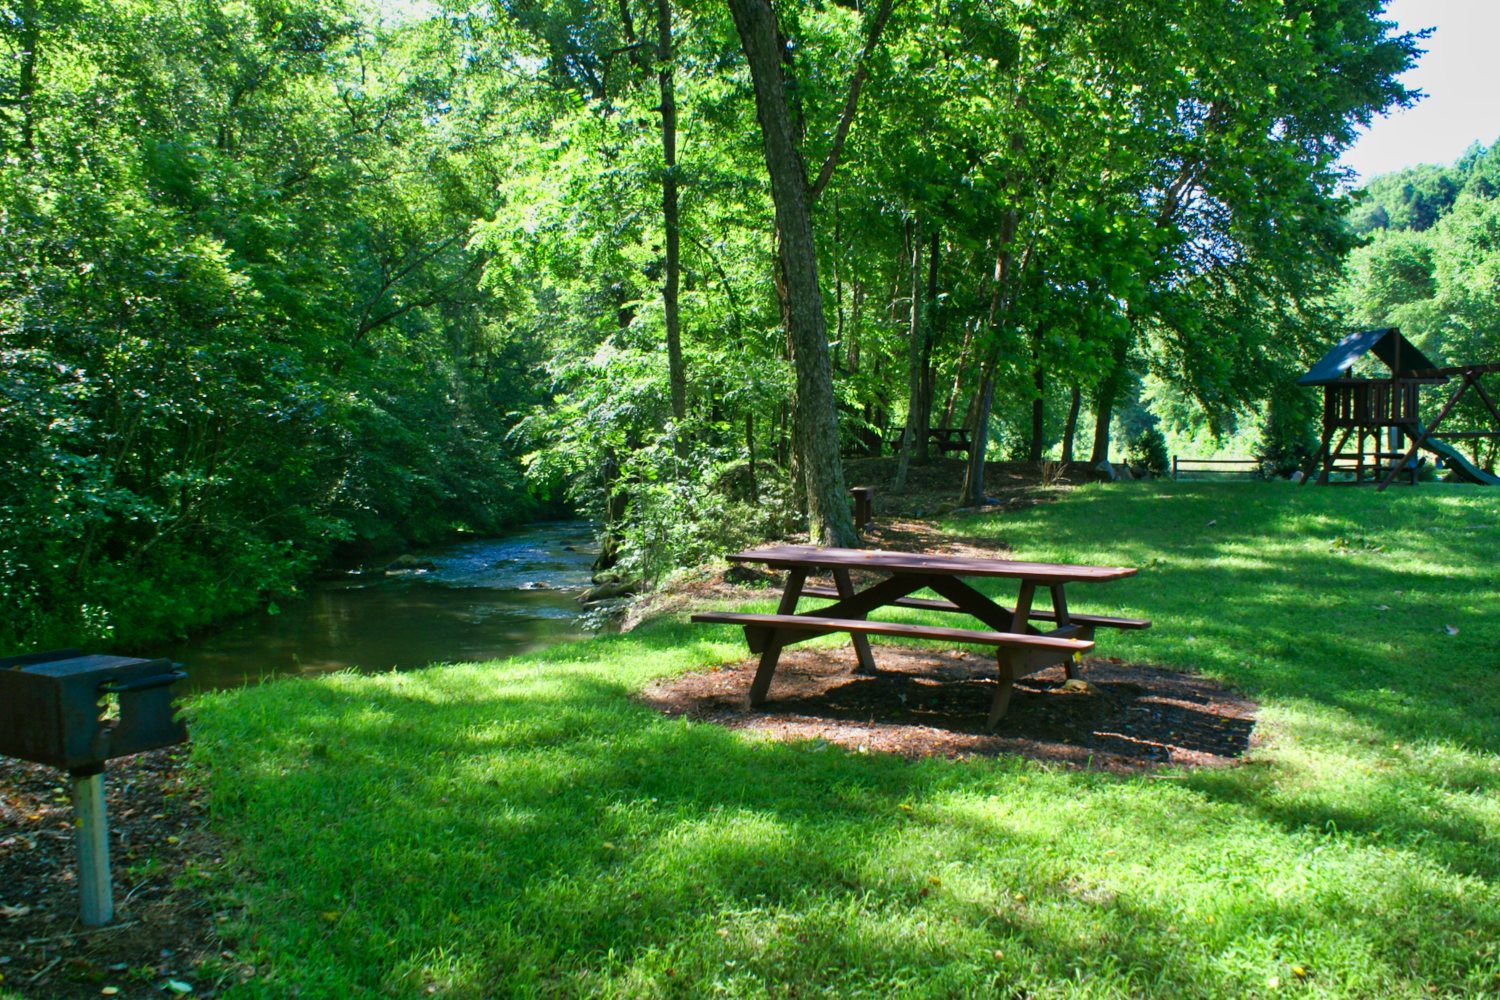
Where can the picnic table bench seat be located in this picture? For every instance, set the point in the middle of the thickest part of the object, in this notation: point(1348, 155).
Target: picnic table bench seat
point(813, 623)
point(1037, 614)
point(1021, 654)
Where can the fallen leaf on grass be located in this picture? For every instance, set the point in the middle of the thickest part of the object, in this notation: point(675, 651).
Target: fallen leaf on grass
point(12, 912)
point(178, 987)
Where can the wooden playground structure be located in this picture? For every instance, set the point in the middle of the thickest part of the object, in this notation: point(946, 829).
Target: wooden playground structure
point(1373, 419)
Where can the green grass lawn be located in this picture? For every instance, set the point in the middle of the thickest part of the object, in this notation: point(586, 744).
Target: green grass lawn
point(525, 828)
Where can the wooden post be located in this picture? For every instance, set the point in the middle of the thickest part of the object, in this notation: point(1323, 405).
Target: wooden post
point(96, 904)
point(864, 507)
point(1428, 431)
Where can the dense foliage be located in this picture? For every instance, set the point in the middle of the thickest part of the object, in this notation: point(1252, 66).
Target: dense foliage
point(1432, 267)
point(281, 275)
point(239, 318)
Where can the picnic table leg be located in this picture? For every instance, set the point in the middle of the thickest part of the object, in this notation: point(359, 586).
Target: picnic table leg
point(861, 643)
point(1003, 657)
point(795, 578)
point(1060, 608)
point(1002, 694)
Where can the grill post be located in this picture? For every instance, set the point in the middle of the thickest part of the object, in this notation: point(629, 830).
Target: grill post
point(91, 832)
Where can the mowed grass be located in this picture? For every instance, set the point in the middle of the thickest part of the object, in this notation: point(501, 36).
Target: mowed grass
point(525, 828)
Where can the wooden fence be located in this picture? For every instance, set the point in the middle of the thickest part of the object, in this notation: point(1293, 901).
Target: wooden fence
point(1194, 467)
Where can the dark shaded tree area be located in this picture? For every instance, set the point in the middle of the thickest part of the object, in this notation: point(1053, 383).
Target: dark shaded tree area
point(281, 276)
point(240, 323)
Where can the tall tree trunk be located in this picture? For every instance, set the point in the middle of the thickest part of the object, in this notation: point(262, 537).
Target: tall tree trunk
point(913, 436)
point(816, 419)
point(676, 376)
point(750, 456)
point(31, 41)
point(972, 494)
point(1038, 402)
point(929, 339)
point(984, 397)
point(1070, 429)
point(958, 375)
point(1104, 400)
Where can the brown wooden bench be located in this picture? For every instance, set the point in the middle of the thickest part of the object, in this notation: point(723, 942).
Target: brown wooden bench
point(1045, 615)
point(1016, 654)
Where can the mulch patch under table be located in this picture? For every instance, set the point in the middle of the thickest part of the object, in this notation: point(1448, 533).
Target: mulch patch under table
point(926, 702)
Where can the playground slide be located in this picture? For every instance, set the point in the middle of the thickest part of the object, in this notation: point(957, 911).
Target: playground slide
point(1455, 460)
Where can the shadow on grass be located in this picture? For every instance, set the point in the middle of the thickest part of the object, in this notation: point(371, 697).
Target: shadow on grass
point(481, 832)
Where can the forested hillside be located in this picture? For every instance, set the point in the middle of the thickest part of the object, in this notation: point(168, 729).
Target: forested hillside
point(278, 276)
point(1431, 266)
point(241, 318)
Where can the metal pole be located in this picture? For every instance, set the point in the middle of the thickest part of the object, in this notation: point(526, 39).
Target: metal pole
point(96, 904)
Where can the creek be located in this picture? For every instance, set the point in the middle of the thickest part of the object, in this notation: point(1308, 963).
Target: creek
point(473, 600)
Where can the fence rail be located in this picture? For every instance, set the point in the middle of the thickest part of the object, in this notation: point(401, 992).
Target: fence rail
point(1236, 467)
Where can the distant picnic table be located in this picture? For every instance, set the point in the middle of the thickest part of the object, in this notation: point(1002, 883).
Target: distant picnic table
point(1022, 647)
point(944, 439)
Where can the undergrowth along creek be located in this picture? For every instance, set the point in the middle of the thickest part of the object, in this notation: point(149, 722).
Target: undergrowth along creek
point(526, 828)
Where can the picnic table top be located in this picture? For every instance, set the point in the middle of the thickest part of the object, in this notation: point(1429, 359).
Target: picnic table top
point(813, 556)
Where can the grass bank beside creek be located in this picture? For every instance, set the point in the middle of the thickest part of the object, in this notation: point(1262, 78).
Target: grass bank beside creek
point(524, 828)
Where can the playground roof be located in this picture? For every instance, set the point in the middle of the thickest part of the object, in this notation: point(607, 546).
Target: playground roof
point(1387, 343)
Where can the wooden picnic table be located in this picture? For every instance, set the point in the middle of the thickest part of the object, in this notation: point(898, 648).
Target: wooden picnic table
point(1022, 646)
point(944, 439)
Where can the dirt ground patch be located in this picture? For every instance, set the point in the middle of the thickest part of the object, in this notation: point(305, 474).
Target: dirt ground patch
point(929, 702)
point(165, 932)
point(932, 489)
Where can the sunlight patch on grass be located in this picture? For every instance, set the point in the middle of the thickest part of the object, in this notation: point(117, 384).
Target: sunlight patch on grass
point(526, 828)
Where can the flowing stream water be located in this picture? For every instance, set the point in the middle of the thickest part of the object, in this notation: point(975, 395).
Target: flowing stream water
point(472, 600)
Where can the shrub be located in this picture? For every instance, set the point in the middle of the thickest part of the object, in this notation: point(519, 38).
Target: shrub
point(1148, 450)
point(1288, 435)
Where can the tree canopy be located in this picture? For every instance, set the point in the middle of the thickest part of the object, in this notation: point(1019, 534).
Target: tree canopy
point(282, 278)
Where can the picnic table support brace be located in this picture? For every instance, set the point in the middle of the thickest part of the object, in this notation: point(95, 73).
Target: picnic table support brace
point(795, 578)
point(1002, 619)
